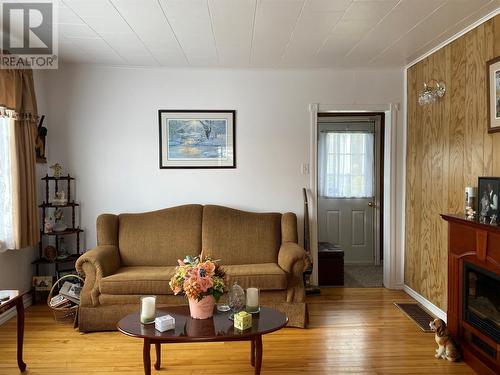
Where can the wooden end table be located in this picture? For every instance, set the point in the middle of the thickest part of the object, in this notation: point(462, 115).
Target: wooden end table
point(187, 329)
point(16, 299)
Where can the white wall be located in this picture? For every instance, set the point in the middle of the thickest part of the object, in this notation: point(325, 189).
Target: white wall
point(103, 128)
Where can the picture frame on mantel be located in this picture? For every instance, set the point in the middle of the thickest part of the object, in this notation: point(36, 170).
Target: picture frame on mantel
point(493, 79)
point(197, 138)
point(488, 190)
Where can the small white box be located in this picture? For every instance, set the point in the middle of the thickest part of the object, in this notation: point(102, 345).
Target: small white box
point(164, 323)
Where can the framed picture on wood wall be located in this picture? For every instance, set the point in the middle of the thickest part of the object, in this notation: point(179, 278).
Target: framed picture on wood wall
point(488, 189)
point(197, 138)
point(493, 74)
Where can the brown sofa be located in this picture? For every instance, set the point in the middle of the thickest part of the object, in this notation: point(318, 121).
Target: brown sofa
point(136, 254)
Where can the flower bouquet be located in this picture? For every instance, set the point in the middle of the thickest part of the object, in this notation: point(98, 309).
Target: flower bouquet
point(202, 281)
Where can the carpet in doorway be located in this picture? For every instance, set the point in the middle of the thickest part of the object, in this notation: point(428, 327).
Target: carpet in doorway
point(363, 276)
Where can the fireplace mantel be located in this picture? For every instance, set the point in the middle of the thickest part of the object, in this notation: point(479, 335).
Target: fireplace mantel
point(478, 244)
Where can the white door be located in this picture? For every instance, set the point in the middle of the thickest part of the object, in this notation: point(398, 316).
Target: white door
point(346, 189)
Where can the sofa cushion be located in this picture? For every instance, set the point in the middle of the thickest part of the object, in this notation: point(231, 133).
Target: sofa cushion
point(154, 280)
point(239, 237)
point(138, 280)
point(161, 237)
point(265, 276)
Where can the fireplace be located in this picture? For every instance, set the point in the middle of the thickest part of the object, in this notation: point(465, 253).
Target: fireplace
point(482, 300)
point(473, 315)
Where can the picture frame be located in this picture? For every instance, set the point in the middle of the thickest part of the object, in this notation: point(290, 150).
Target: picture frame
point(197, 138)
point(42, 283)
point(488, 189)
point(493, 95)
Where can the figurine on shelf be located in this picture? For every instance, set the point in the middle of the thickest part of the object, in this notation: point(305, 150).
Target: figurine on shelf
point(50, 253)
point(470, 213)
point(59, 224)
point(60, 199)
point(493, 219)
point(57, 168)
point(63, 253)
point(48, 225)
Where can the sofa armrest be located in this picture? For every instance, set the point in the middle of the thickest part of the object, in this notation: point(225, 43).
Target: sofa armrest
point(95, 264)
point(291, 258)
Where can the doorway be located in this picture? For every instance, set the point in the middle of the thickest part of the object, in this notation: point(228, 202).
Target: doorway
point(350, 198)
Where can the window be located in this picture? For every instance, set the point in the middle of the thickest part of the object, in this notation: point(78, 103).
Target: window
point(6, 214)
point(346, 164)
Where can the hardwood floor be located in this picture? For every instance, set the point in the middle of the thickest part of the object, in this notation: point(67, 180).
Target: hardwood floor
point(351, 331)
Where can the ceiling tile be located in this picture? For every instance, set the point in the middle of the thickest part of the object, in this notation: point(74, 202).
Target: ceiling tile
point(309, 35)
point(327, 5)
point(427, 30)
point(150, 25)
point(367, 10)
point(192, 26)
point(449, 31)
point(90, 43)
point(125, 43)
point(233, 27)
point(260, 33)
point(274, 23)
point(398, 21)
point(76, 31)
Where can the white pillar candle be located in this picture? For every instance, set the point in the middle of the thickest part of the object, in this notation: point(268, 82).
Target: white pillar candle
point(148, 309)
point(252, 300)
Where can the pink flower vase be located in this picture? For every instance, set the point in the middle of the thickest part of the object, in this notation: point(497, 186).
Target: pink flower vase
point(203, 309)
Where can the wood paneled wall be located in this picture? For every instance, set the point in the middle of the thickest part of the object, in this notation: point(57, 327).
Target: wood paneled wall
point(448, 147)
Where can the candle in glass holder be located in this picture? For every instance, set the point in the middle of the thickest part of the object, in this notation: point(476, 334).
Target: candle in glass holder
point(252, 300)
point(148, 309)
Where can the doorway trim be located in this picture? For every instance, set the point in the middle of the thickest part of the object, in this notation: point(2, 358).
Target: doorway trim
point(390, 267)
point(379, 126)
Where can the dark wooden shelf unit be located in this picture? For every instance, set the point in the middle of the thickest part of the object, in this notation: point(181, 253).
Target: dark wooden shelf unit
point(54, 236)
point(71, 258)
point(50, 205)
point(63, 232)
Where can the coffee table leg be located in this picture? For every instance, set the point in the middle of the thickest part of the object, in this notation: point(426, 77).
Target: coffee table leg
point(158, 356)
point(258, 354)
point(146, 352)
point(20, 333)
point(252, 352)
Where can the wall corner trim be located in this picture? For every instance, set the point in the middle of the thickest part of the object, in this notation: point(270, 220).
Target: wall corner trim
point(426, 303)
point(10, 313)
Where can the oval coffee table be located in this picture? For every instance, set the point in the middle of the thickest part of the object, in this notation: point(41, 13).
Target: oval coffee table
point(187, 329)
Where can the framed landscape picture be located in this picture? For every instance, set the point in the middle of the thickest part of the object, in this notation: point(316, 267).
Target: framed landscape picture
point(197, 138)
point(493, 71)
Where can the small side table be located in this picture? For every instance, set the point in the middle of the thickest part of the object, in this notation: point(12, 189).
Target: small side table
point(331, 264)
point(16, 299)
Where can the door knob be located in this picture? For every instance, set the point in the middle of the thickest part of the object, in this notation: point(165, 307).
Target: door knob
point(370, 204)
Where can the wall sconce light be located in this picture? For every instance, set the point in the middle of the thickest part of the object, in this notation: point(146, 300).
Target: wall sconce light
point(431, 92)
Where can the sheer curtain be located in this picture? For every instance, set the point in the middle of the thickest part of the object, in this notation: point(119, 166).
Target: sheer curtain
point(346, 163)
point(6, 208)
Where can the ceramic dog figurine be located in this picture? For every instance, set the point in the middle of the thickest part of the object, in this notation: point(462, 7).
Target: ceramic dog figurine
point(446, 347)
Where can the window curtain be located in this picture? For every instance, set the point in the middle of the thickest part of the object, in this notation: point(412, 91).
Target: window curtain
point(18, 109)
point(346, 163)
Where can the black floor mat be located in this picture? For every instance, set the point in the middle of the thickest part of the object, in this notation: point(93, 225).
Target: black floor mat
point(416, 313)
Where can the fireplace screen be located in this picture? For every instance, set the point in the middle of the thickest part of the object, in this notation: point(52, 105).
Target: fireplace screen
point(482, 300)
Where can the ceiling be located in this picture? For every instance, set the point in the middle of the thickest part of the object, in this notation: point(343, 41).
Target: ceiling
point(260, 33)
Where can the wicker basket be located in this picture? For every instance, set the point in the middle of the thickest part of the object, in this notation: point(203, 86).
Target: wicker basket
point(64, 314)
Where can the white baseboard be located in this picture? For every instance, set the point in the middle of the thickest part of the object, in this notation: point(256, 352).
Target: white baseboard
point(10, 313)
point(426, 303)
